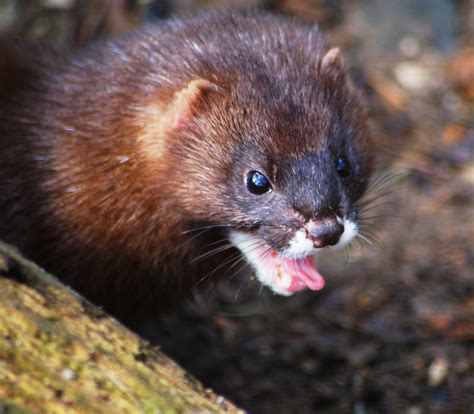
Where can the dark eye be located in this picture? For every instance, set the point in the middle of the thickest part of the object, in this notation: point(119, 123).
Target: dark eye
point(257, 183)
point(342, 166)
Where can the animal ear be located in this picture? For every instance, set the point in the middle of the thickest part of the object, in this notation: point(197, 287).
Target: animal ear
point(332, 60)
point(333, 66)
point(187, 101)
point(159, 119)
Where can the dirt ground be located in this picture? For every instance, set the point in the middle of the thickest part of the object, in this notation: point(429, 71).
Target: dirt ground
point(393, 330)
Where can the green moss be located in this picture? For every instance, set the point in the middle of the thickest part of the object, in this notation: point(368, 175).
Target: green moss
point(57, 356)
point(10, 408)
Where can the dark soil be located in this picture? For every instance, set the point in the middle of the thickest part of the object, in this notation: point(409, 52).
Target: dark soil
point(393, 331)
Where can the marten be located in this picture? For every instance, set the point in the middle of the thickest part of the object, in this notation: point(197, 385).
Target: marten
point(136, 168)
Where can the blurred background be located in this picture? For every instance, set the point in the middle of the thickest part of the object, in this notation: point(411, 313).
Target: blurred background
point(393, 331)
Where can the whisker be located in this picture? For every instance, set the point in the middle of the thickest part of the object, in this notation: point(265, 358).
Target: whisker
point(262, 258)
point(347, 252)
point(237, 256)
point(212, 252)
point(365, 226)
point(386, 178)
point(234, 225)
point(372, 237)
point(207, 227)
point(365, 238)
point(391, 216)
point(367, 232)
point(355, 244)
point(365, 210)
point(187, 241)
point(365, 202)
point(242, 282)
point(220, 249)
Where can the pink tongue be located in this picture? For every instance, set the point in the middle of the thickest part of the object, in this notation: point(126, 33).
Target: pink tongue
point(303, 274)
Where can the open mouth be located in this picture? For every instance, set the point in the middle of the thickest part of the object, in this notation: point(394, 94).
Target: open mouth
point(282, 274)
point(291, 275)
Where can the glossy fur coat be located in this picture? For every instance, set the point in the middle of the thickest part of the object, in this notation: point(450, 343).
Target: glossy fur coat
point(111, 156)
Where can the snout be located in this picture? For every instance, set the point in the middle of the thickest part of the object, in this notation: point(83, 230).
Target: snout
point(325, 232)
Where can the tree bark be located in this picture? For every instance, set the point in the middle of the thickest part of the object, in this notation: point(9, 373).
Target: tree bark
point(61, 354)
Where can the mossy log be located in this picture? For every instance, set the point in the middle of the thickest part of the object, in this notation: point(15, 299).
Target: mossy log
point(61, 354)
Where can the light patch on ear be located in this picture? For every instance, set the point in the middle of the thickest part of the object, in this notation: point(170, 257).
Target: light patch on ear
point(187, 100)
point(333, 65)
point(332, 59)
point(159, 119)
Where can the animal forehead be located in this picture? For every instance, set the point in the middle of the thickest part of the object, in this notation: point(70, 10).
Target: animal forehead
point(288, 141)
point(302, 128)
point(305, 164)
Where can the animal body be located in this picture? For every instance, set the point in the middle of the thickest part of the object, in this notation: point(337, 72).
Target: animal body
point(135, 168)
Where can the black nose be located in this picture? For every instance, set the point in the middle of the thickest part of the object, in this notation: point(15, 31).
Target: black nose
point(326, 232)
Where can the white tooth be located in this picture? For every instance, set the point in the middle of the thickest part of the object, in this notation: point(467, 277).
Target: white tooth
point(285, 280)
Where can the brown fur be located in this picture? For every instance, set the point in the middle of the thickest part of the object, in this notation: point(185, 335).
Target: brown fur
point(111, 154)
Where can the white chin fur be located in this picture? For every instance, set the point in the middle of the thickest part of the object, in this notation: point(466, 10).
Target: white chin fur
point(350, 231)
point(299, 247)
point(250, 245)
